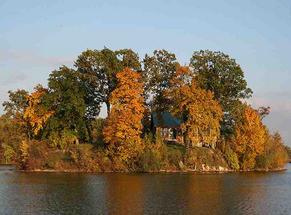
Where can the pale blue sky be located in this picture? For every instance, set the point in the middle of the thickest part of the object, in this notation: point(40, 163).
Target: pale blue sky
point(39, 36)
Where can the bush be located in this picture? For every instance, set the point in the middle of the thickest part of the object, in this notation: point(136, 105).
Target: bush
point(150, 161)
point(53, 159)
point(97, 134)
point(198, 158)
point(231, 158)
point(84, 158)
point(275, 155)
point(38, 155)
point(154, 157)
point(8, 153)
point(63, 139)
point(174, 157)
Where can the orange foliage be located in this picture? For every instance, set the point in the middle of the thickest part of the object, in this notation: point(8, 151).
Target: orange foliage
point(35, 114)
point(201, 113)
point(123, 126)
point(250, 138)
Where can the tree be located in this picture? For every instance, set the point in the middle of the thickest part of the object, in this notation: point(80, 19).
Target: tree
point(250, 138)
point(123, 127)
point(11, 135)
point(36, 114)
point(158, 71)
point(66, 99)
point(263, 111)
point(16, 105)
point(217, 72)
point(98, 69)
point(275, 154)
point(200, 112)
point(14, 109)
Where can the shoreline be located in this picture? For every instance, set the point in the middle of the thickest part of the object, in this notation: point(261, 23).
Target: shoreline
point(155, 172)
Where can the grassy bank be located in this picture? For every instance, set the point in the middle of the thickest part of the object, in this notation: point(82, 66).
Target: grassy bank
point(96, 158)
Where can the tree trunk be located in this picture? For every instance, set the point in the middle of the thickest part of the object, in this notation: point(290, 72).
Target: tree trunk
point(89, 132)
point(186, 140)
point(108, 108)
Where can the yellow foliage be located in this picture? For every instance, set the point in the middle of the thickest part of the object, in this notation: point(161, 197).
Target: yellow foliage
point(123, 126)
point(250, 138)
point(35, 114)
point(200, 112)
point(23, 147)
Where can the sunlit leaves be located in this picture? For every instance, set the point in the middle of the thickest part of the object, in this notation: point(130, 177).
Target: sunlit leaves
point(35, 113)
point(250, 138)
point(200, 112)
point(123, 127)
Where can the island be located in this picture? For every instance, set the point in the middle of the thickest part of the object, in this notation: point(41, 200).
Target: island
point(161, 117)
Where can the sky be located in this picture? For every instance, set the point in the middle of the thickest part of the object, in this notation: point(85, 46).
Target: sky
point(38, 36)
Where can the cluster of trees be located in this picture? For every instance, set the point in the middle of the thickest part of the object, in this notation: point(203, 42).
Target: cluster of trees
point(207, 95)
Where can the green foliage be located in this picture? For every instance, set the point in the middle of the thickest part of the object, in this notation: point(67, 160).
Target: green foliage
point(150, 161)
point(174, 157)
point(66, 99)
point(98, 70)
point(74, 98)
point(231, 158)
point(16, 104)
point(158, 71)
point(63, 139)
point(97, 135)
point(11, 133)
point(198, 158)
point(87, 158)
point(219, 73)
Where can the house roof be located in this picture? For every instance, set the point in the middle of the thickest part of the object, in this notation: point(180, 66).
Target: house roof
point(165, 120)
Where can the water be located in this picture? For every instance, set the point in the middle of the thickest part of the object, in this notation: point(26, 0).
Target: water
point(71, 193)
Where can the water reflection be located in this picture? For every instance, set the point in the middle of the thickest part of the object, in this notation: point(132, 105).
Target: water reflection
point(52, 193)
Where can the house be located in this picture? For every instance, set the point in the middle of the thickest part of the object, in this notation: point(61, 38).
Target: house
point(167, 126)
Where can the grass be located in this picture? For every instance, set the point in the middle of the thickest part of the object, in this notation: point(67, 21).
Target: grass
point(172, 146)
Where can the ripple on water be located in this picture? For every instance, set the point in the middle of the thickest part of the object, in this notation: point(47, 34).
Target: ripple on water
point(72, 193)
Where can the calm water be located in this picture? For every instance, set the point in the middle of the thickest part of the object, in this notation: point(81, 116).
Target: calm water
point(59, 193)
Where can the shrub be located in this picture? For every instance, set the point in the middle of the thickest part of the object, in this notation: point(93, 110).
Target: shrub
point(150, 161)
point(53, 159)
point(24, 155)
point(8, 153)
point(38, 152)
point(84, 158)
point(231, 158)
point(63, 139)
point(97, 134)
point(154, 156)
point(174, 157)
point(275, 155)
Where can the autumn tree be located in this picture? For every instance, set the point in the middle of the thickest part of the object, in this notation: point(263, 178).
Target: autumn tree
point(275, 154)
point(219, 73)
point(250, 138)
point(123, 127)
point(98, 69)
point(157, 73)
point(36, 114)
point(200, 112)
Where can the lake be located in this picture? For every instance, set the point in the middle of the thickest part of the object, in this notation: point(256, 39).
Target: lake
point(74, 193)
